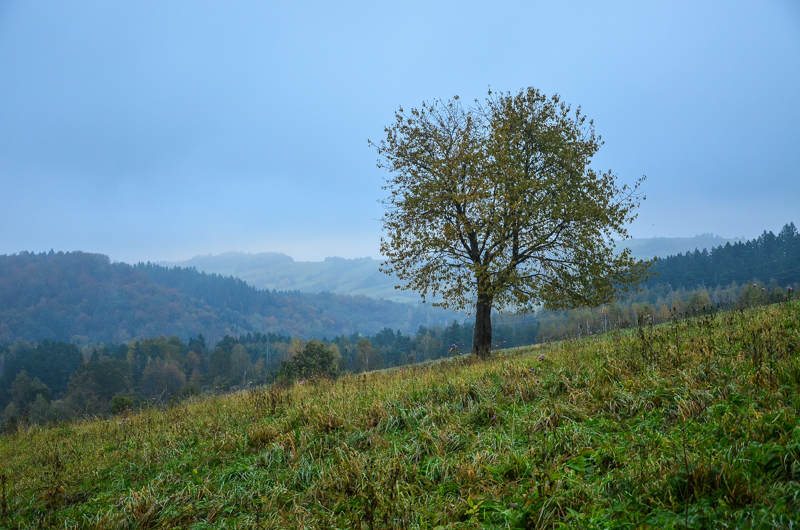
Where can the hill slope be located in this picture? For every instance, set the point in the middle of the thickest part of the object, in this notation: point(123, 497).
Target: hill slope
point(694, 424)
point(75, 295)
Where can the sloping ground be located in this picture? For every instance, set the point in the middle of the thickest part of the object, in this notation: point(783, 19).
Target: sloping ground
point(693, 424)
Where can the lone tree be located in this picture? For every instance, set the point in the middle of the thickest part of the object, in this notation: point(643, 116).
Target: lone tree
point(495, 206)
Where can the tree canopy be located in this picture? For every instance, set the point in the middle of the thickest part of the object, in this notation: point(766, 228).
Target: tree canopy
point(495, 205)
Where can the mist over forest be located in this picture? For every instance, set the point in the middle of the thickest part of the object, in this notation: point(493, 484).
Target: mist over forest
point(80, 297)
point(361, 276)
point(83, 297)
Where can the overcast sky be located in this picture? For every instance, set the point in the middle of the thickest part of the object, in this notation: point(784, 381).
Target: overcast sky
point(163, 130)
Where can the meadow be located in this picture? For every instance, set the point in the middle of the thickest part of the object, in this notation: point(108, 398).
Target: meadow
point(690, 424)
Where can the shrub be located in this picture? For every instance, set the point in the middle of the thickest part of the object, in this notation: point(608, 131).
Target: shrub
point(120, 404)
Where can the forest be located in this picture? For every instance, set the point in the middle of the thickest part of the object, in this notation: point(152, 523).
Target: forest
point(52, 379)
point(81, 297)
point(59, 381)
point(766, 258)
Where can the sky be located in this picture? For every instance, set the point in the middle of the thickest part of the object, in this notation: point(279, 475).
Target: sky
point(163, 130)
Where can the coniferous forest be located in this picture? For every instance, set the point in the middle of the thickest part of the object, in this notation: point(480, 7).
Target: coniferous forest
point(766, 258)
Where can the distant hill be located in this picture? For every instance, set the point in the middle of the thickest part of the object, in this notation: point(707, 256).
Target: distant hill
point(81, 296)
point(272, 270)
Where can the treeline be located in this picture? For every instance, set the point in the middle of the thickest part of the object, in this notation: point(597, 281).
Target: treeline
point(60, 381)
point(757, 271)
point(657, 305)
point(80, 297)
point(768, 257)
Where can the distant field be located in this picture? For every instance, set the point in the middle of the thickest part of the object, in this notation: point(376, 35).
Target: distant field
point(690, 424)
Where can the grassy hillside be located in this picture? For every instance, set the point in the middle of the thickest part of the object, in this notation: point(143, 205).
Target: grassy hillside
point(694, 423)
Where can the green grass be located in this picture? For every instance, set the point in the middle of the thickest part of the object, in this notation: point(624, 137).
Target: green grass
point(694, 423)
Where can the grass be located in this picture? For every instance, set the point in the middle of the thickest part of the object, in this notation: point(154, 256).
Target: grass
point(690, 424)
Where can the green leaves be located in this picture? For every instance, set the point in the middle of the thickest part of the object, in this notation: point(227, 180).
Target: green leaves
point(497, 202)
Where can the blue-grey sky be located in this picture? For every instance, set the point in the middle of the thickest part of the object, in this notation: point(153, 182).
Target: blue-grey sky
point(162, 130)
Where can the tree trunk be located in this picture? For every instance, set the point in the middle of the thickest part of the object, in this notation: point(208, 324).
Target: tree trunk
point(482, 340)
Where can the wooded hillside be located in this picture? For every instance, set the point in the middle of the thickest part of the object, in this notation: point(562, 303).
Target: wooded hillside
point(81, 296)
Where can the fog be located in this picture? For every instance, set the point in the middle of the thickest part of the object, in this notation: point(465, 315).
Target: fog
point(152, 131)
